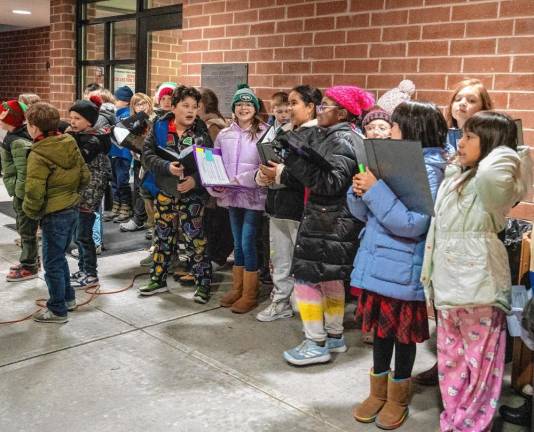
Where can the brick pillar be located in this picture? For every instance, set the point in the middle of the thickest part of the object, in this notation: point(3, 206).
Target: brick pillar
point(62, 54)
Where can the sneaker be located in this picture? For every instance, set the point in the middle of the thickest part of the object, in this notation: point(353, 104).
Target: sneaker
point(131, 226)
point(308, 352)
point(75, 253)
point(21, 274)
point(152, 288)
point(77, 275)
point(87, 282)
point(71, 305)
point(276, 310)
point(202, 294)
point(149, 234)
point(146, 262)
point(336, 345)
point(187, 279)
point(47, 316)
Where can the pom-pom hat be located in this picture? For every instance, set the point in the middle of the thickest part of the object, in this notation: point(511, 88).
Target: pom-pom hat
point(87, 109)
point(165, 89)
point(402, 93)
point(245, 94)
point(352, 98)
point(12, 113)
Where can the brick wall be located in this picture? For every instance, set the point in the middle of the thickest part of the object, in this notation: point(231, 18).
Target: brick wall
point(165, 54)
point(371, 43)
point(23, 62)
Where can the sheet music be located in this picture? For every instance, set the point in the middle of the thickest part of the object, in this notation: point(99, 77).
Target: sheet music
point(211, 167)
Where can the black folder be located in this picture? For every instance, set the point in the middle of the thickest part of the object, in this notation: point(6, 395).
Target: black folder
point(169, 183)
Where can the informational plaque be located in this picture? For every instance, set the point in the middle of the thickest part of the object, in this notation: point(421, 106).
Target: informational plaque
point(223, 79)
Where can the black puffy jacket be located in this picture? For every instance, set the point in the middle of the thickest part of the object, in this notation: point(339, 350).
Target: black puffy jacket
point(327, 239)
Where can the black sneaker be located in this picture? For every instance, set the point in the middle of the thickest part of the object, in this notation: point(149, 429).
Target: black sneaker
point(202, 294)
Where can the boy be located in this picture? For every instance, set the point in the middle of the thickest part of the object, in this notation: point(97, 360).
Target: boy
point(15, 148)
point(280, 110)
point(94, 147)
point(121, 159)
point(56, 173)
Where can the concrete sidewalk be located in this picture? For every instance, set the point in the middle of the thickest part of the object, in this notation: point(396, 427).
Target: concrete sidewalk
point(165, 363)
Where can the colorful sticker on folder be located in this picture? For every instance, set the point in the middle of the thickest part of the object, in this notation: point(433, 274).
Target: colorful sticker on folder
point(200, 150)
point(209, 155)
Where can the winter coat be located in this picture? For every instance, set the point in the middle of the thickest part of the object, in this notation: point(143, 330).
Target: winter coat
point(215, 124)
point(94, 148)
point(106, 116)
point(453, 136)
point(116, 151)
point(465, 263)
point(241, 161)
point(391, 250)
point(14, 152)
point(327, 239)
point(157, 166)
point(56, 174)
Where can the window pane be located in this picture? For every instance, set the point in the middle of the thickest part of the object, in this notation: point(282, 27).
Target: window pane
point(164, 57)
point(92, 74)
point(160, 3)
point(109, 8)
point(94, 42)
point(123, 37)
point(122, 75)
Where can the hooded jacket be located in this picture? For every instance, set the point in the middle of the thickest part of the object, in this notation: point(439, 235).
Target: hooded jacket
point(106, 116)
point(391, 250)
point(56, 174)
point(116, 151)
point(13, 152)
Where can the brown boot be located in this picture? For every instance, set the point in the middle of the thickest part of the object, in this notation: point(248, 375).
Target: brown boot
point(236, 292)
point(367, 411)
point(428, 377)
point(249, 299)
point(395, 411)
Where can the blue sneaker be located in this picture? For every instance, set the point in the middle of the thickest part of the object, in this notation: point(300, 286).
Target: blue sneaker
point(308, 352)
point(336, 345)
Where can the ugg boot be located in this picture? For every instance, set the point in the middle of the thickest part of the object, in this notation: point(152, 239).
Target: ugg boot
point(124, 213)
point(110, 215)
point(249, 299)
point(236, 292)
point(395, 411)
point(367, 411)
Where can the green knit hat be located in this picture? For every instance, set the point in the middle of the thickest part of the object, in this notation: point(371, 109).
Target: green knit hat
point(245, 94)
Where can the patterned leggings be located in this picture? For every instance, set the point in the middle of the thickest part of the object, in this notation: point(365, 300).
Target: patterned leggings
point(191, 212)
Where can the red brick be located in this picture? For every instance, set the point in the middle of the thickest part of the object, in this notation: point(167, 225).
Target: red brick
point(213, 7)
point(515, 8)
point(212, 57)
point(388, 50)
point(351, 51)
point(358, 5)
point(306, 10)
point(213, 32)
point(320, 81)
point(222, 19)
point(515, 45)
point(220, 44)
point(262, 28)
point(444, 31)
point(428, 49)
point(318, 53)
point(389, 18)
point(473, 46)
point(403, 33)
point(454, 79)
point(192, 10)
point(201, 45)
point(272, 14)
point(328, 66)
point(243, 43)
point(269, 68)
point(486, 64)
point(361, 66)
point(264, 54)
point(296, 67)
point(353, 21)
point(286, 81)
point(298, 39)
point(475, 11)
point(260, 80)
point(236, 5)
point(440, 65)
point(199, 21)
point(323, 23)
point(261, 3)
point(358, 80)
point(521, 101)
point(192, 34)
point(398, 65)
point(237, 30)
point(493, 28)
point(332, 7)
point(383, 81)
point(246, 16)
point(270, 41)
point(364, 35)
point(438, 97)
point(395, 4)
point(288, 53)
point(330, 38)
point(194, 69)
point(289, 26)
point(235, 56)
point(427, 82)
point(499, 99)
point(524, 26)
point(523, 64)
point(436, 14)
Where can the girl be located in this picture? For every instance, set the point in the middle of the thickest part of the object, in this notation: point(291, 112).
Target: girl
point(246, 204)
point(466, 272)
point(285, 204)
point(328, 236)
point(388, 266)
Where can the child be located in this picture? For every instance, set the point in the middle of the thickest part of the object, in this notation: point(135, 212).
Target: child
point(285, 204)
point(245, 205)
point(466, 272)
point(94, 147)
point(121, 160)
point(280, 110)
point(328, 235)
point(56, 174)
point(16, 145)
point(387, 268)
point(163, 97)
point(178, 130)
point(377, 124)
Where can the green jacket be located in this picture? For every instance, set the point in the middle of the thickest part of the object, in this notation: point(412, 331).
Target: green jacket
point(465, 263)
point(56, 174)
point(14, 152)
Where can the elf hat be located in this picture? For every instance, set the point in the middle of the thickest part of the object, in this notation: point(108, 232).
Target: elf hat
point(87, 109)
point(12, 113)
point(165, 89)
point(245, 94)
point(352, 98)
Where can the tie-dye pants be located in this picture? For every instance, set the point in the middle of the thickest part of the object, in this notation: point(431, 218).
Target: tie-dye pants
point(471, 348)
point(321, 308)
point(190, 211)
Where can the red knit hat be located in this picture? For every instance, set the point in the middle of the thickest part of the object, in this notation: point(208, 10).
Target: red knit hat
point(352, 98)
point(15, 113)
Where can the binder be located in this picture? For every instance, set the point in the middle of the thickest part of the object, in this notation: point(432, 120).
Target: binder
point(211, 168)
point(266, 149)
point(169, 183)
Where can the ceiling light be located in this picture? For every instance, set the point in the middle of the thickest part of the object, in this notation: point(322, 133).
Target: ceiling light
point(21, 12)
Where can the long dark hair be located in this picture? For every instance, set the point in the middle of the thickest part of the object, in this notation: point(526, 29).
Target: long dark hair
point(494, 129)
point(421, 121)
point(210, 101)
point(309, 95)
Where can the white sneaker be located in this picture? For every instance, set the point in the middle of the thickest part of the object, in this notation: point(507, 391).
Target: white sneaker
point(76, 253)
point(276, 310)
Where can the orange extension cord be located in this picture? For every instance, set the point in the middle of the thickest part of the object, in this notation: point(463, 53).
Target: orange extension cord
point(93, 291)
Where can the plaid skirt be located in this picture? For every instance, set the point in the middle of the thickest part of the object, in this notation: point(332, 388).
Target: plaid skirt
point(405, 321)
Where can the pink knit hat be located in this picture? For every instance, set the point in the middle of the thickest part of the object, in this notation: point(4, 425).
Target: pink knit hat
point(352, 98)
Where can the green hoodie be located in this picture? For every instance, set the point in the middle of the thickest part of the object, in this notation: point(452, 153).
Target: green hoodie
point(13, 153)
point(56, 173)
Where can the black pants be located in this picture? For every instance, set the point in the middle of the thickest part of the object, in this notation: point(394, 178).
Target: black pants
point(383, 352)
point(86, 244)
point(219, 233)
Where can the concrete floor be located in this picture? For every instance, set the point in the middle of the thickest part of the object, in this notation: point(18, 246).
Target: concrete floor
point(164, 363)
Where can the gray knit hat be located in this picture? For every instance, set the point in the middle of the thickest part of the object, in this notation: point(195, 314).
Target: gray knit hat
point(402, 93)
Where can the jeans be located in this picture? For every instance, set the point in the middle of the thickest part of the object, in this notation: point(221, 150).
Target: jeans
point(244, 223)
point(98, 229)
point(27, 229)
point(120, 180)
point(86, 244)
point(57, 229)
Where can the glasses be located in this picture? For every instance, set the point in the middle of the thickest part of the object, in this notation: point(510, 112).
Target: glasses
point(380, 128)
point(322, 108)
point(141, 103)
point(244, 104)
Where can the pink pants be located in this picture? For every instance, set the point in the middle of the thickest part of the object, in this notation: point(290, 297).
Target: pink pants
point(471, 345)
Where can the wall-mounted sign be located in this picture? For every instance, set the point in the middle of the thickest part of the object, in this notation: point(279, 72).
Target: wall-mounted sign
point(223, 79)
point(123, 77)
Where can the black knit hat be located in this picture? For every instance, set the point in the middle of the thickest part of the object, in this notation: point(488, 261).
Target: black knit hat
point(87, 109)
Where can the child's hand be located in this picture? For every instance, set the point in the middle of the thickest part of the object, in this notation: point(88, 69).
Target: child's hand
point(185, 186)
point(364, 181)
point(355, 188)
point(269, 171)
point(176, 169)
